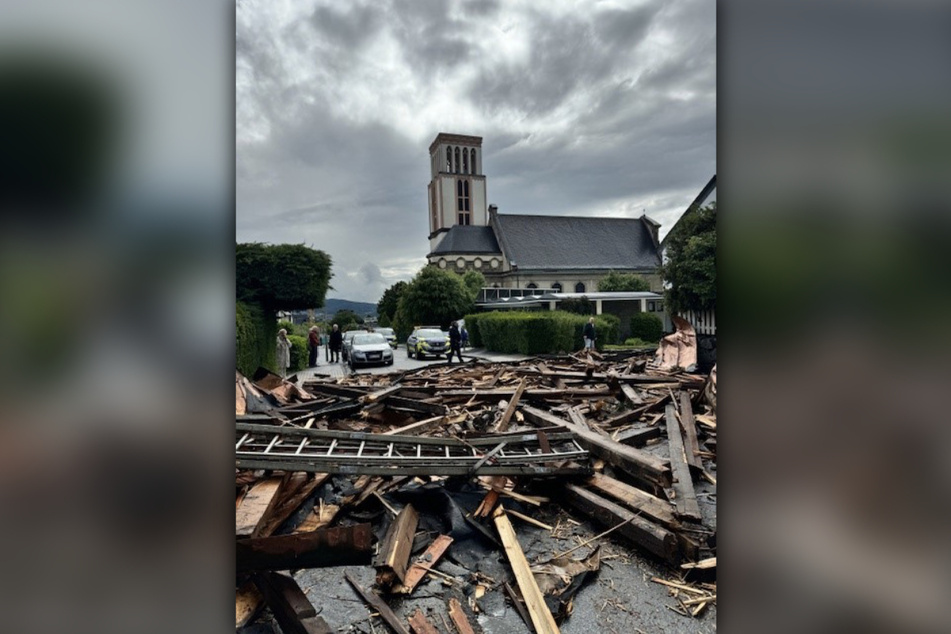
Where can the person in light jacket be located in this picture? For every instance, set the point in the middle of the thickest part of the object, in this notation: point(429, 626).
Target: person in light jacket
point(589, 334)
point(283, 352)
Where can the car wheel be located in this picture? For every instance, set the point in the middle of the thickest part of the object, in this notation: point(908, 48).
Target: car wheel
point(409, 353)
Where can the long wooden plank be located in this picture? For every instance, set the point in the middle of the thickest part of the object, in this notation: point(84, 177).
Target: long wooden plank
point(341, 546)
point(421, 566)
point(291, 608)
point(691, 444)
point(289, 503)
point(648, 536)
point(417, 427)
point(640, 464)
point(637, 437)
point(541, 616)
point(542, 393)
point(255, 506)
point(393, 558)
point(503, 424)
point(687, 507)
point(631, 394)
point(459, 618)
point(419, 623)
point(643, 502)
point(376, 602)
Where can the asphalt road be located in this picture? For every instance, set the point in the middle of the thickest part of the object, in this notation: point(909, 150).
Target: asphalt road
point(400, 362)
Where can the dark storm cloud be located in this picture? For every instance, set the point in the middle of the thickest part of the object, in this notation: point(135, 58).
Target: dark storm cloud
point(602, 111)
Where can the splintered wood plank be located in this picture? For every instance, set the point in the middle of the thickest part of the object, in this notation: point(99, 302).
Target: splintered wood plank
point(341, 546)
point(574, 413)
point(420, 624)
point(687, 506)
point(541, 616)
point(640, 464)
point(417, 427)
point(691, 445)
point(651, 506)
point(651, 537)
point(248, 601)
point(422, 565)
point(631, 394)
point(322, 516)
point(291, 608)
point(636, 437)
point(503, 424)
point(459, 618)
point(376, 602)
point(298, 488)
point(255, 506)
point(393, 558)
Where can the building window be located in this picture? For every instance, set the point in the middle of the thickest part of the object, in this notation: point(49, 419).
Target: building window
point(457, 160)
point(531, 285)
point(579, 287)
point(472, 163)
point(462, 201)
point(556, 287)
point(650, 307)
point(465, 162)
point(448, 159)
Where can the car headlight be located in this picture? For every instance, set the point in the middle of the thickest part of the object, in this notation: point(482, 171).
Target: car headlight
point(357, 353)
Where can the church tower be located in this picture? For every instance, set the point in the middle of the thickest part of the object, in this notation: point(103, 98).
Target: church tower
point(457, 186)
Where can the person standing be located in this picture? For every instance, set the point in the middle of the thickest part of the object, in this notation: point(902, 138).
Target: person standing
point(589, 334)
point(313, 344)
point(455, 340)
point(283, 352)
point(336, 340)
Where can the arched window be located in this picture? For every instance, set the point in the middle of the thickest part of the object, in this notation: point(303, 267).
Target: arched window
point(462, 201)
point(556, 287)
point(531, 285)
point(457, 160)
point(465, 162)
point(472, 162)
point(448, 159)
point(579, 287)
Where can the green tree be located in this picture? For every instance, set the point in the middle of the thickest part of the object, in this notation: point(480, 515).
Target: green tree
point(434, 297)
point(474, 282)
point(282, 276)
point(346, 318)
point(390, 301)
point(627, 282)
point(691, 267)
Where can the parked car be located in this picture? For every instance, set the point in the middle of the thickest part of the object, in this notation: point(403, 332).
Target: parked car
point(347, 338)
point(427, 342)
point(389, 334)
point(368, 349)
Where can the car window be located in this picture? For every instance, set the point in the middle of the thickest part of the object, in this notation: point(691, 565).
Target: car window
point(431, 333)
point(360, 340)
point(385, 331)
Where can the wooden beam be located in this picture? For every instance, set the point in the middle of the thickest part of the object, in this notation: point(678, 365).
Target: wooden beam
point(376, 602)
point(691, 444)
point(541, 616)
point(299, 489)
point(292, 610)
point(650, 537)
point(393, 559)
point(503, 423)
point(382, 393)
point(650, 506)
point(640, 464)
point(417, 427)
point(420, 624)
point(248, 601)
point(459, 618)
point(631, 394)
point(637, 437)
point(413, 405)
point(422, 565)
point(341, 546)
point(687, 506)
point(255, 505)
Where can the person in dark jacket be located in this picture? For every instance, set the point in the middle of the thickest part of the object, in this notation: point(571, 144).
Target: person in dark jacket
point(589, 334)
point(336, 341)
point(455, 341)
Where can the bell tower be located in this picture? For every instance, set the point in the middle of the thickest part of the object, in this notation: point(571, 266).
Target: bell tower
point(457, 185)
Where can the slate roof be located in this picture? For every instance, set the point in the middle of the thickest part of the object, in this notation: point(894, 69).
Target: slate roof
point(468, 239)
point(566, 242)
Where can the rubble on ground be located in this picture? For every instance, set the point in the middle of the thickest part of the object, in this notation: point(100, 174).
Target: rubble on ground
point(428, 478)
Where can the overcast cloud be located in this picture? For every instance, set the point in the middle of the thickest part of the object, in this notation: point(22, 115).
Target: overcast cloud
point(585, 108)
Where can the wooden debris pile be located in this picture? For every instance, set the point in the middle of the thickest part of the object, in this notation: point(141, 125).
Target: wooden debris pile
point(361, 471)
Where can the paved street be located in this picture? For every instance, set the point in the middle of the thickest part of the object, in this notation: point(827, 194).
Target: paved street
point(400, 362)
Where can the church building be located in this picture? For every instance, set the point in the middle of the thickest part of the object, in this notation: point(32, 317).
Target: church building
point(560, 254)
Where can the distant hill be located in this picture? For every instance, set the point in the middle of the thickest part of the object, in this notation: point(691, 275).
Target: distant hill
point(331, 306)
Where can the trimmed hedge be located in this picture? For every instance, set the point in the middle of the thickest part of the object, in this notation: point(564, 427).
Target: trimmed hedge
point(647, 327)
point(298, 352)
point(254, 347)
point(537, 332)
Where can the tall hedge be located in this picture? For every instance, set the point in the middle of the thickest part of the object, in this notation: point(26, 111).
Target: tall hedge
point(536, 332)
point(298, 352)
point(256, 338)
point(647, 327)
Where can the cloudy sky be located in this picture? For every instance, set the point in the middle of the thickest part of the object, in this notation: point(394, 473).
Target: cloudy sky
point(585, 108)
